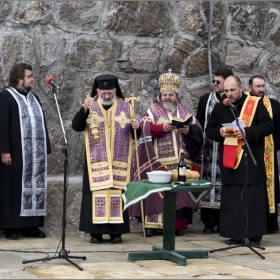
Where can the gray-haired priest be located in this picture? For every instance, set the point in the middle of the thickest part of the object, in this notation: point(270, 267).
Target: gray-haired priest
point(108, 124)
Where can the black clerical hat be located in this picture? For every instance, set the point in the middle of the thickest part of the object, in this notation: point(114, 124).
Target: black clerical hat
point(106, 82)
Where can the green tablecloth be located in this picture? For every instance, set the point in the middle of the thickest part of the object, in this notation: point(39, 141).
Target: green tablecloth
point(138, 190)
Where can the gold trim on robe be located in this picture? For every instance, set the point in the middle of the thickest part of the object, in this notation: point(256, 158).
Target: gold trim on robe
point(269, 161)
point(168, 147)
point(107, 206)
point(104, 168)
point(154, 221)
point(108, 158)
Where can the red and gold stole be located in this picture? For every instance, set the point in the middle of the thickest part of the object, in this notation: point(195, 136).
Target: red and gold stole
point(232, 146)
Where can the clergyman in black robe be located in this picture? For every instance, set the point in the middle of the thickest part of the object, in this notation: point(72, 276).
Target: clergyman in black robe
point(24, 145)
point(112, 147)
point(257, 87)
point(244, 201)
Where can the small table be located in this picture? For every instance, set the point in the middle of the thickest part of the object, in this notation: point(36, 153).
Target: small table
point(168, 252)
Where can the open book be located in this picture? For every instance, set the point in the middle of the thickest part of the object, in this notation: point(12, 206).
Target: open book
point(179, 123)
point(233, 127)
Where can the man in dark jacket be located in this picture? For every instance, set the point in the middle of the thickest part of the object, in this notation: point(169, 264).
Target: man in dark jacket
point(244, 201)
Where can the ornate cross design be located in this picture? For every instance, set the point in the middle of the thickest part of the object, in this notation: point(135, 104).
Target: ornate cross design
point(132, 99)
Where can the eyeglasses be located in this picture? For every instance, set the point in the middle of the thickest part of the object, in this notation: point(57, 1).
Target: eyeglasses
point(216, 81)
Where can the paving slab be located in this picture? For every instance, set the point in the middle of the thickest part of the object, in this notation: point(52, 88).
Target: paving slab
point(109, 261)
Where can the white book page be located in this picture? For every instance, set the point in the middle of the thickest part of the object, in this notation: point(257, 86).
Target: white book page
point(234, 124)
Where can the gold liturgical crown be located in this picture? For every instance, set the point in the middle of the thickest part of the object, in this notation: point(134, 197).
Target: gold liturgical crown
point(169, 82)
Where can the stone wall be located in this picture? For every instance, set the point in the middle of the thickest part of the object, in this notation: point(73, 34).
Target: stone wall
point(136, 40)
point(54, 217)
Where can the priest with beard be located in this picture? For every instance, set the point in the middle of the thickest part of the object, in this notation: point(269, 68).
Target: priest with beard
point(159, 148)
point(106, 120)
point(24, 145)
point(244, 200)
point(257, 87)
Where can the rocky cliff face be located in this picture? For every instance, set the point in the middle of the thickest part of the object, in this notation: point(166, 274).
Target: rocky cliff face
point(75, 41)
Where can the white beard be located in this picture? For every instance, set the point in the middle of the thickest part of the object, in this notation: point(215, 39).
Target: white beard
point(107, 102)
point(169, 106)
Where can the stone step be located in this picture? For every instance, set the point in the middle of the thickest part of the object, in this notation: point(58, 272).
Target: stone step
point(54, 217)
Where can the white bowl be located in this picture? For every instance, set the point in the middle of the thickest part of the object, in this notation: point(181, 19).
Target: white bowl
point(159, 176)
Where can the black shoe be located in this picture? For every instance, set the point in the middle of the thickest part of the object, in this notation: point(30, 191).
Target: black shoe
point(208, 230)
point(11, 234)
point(149, 232)
point(233, 242)
point(116, 239)
point(33, 232)
point(179, 232)
point(96, 238)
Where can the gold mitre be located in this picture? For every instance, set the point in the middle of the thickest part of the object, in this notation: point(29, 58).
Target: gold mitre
point(169, 82)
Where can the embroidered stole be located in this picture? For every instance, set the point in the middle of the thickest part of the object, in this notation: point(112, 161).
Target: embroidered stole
point(34, 154)
point(167, 147)
point(108, 159)
point(154, 221)
point(107, 206)
point(232, 146)
point(148, 160)
point(269, 161)
point(210, 168)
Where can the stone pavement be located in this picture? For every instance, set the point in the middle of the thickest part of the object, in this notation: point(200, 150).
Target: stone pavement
point(109, 261)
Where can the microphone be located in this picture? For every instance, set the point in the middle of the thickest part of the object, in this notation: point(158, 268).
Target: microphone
point(226, 102)
point(49, 80)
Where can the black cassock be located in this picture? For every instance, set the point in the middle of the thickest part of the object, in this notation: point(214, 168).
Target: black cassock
point(11, 176)
point(251, 209)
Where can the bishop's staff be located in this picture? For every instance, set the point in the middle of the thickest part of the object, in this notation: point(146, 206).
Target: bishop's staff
point(132, 99)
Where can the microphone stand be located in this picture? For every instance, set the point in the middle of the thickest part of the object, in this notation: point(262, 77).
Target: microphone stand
point(63, 254)
point(246, 240)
